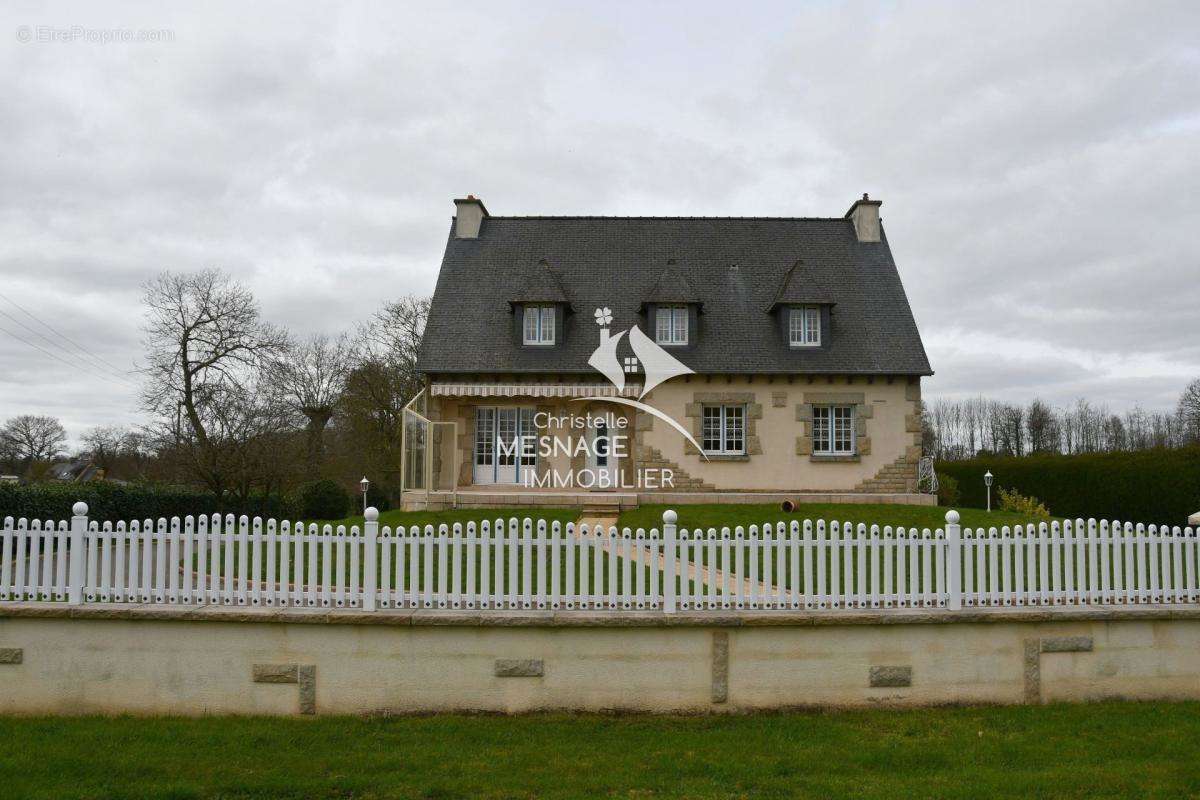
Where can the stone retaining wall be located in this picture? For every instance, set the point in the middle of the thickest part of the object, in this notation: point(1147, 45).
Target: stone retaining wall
point(148, 660)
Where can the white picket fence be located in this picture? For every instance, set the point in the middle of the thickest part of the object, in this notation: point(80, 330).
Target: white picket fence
point(527, 564)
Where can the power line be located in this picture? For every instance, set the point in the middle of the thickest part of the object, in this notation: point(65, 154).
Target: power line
point(56, 357)
point(91, 364)
point(74, 366)
point(51, 328)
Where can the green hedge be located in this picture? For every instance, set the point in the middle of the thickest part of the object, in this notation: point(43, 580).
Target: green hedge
point(1152, 486)
point(323, 499)
point(110, 502)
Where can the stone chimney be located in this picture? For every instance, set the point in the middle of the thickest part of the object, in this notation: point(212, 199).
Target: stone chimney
point(865, 216)
point(468, 217)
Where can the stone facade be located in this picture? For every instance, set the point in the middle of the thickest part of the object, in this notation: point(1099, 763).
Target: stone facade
point(778, 434)
point(899, 476)
point(694, 411)
point(862, 412)
point(779, 453)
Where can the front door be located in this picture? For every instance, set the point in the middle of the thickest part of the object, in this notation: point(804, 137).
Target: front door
point(500, 434)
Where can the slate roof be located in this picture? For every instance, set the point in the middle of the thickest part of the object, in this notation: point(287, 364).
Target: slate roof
point(735, 266)
point(540, 285)
point(672, 287)
point(800, 287)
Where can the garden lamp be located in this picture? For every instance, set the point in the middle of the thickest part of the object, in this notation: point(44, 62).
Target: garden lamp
point(987, 480)
point(364, 483)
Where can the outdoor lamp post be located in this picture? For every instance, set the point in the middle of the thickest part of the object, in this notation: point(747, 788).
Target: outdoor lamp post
point(364, 483)
point(987, 479)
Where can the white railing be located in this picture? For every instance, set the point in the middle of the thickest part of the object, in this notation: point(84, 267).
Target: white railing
point(527, 564)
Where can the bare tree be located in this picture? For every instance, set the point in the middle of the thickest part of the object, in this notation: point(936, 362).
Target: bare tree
point(311, 375)
point(959, 429)
point(1189, 412)
point(118, 451)
point(103, 445)
point(393, 336)
point(205, 347)
point(385, 373)
point(1042, 428)
point(382, 381)
point(30, 438)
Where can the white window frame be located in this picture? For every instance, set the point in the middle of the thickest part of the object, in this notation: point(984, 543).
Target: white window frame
point(671, 325)
point(804, 326)
point(538, 326)
point(497, 430)
point(730, 433)
point(833, 431)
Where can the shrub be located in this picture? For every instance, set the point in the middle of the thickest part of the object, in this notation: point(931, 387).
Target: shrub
point(323, 499)
point(1014, 501)
point(114, 502)
point(947, 493)
point(383, 495)
point(1159, 486)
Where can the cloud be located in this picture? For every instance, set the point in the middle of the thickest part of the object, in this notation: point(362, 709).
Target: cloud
point(1035, 163)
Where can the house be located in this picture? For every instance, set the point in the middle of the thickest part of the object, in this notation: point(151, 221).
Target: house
point(666, 359)
point(77, 471)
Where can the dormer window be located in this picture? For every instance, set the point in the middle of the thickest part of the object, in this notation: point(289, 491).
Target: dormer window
point(671, 325)
point(804, 326)
point(539, 325)
point(803, 310)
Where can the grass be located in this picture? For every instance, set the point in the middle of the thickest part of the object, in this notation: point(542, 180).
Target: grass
point(408, 518)
point(1101, 750)
point(463, 515)
point(718, 515)
point(714, 515)
point(690, 517)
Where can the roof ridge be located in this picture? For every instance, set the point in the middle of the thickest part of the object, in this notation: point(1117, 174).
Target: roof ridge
point(605, 216)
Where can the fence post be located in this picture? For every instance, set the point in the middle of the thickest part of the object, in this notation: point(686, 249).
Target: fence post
point(669, 555)
point(76, 555)
point(370, 557)
point(953, 560)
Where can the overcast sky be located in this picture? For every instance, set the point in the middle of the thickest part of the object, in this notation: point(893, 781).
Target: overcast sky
point(1039, 166)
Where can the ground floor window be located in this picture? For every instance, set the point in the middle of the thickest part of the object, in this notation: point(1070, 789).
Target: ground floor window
point(724, 430)
point(833, 430)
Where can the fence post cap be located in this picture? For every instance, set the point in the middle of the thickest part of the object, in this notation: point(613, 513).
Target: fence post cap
point(670, 517)
point(952, 517)
point(372, 514)
point(80, 509)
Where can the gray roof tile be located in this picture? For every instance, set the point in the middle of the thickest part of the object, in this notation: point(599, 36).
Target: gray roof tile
point(736, 267)
point(672, 287)
point(798, 287)
point(541, 284)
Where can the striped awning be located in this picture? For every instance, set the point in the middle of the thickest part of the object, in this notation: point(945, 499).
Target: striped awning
point(533, 390)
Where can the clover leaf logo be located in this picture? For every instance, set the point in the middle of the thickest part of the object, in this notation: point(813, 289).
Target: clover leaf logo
point(603, 316)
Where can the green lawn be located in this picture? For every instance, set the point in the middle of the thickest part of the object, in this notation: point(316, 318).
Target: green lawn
point(406, 519)
point(464, 515)
point(690, 516)
point(716, 516)
point(1102, 750)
